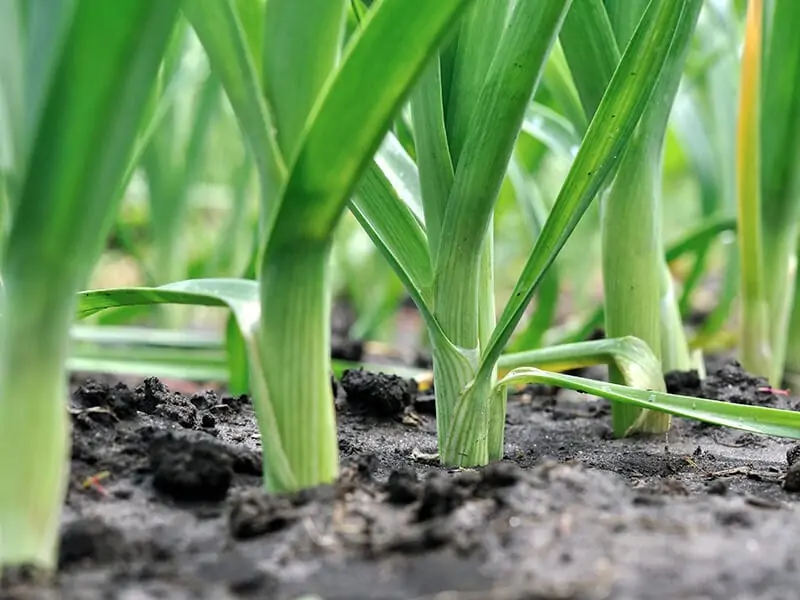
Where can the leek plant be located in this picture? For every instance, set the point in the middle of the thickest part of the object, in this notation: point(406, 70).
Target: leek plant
point(639, 297)
point(311, 141)
point(83, 73)
point(768, 178)
point(323, 144)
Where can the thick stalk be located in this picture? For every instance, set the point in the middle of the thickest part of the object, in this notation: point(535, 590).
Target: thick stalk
point(486, 324)
point(780, 271)
point(34, 426)
point(638, 290)
point(632, 265)
point(295, 362)
point(756, 355)
point(792, 361)
point(453, 369)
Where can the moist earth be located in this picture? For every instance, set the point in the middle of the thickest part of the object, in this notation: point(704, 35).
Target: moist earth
point(165, 501)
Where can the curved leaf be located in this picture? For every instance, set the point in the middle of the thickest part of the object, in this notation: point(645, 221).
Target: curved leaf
point(354, 113)
point(611, 128)
point(755, 419)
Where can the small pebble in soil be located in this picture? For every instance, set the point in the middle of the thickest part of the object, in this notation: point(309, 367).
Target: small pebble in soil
point(377, 394)
point(190, 468)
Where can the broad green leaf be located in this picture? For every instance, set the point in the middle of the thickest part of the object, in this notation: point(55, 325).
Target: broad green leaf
point(396, 233)
point(779, 128)
point(611, 128)
point(624, 16)
point(631, 356)
point(239, 295)
point(433, 153)
point(47, 23)
point(480, 35)
point(219, 29)
point(351, 118)
point(489, 142)
point(401, 171)
point(251, 17)
point(591, 50)
point(302, 46)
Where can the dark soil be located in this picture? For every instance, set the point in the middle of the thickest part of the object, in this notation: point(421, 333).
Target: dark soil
point(165, 502)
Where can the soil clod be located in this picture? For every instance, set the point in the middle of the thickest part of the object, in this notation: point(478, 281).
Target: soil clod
point(793, 454)
point(377, 394)
point(190, 468)
point(90, 540)
point(402, 486)
point(256, 513)
point(791, 482)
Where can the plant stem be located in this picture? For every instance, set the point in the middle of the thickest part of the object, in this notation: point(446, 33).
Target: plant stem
point(632, 263)
point(780, 271)
point(34, 426)
point(756, 355)
point(295, 361)
point(486, 324)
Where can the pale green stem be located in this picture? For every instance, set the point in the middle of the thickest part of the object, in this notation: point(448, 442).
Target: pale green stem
point(34, 423)
point(632, 265)
point(295, 362)
point(780, 270)
point(792, 369)
point(486, 324)
point(459, 445)
point(674, 348)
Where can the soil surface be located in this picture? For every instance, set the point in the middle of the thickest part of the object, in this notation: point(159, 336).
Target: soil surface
point(165, 502)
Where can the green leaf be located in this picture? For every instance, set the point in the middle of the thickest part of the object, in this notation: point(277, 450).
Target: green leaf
point(219, 29)
point(480, 35)
point(433, 153)
point(354, 113)
point(553, 130)
point(79, 134)
point(239, 295)
point(480, 170)
point(611, 128)
point(755, 419)
point(243, 299)
point(302, 46)
point(591, 50)
point(391, 226)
